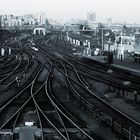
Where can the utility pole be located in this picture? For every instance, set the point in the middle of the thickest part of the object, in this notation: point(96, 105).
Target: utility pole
point(115, 39)
point(102, 41)
point(121, 38)
point(122, 48)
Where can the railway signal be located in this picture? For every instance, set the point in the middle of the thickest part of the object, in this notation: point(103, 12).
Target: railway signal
point(18, 81)
point(9, 51)
point(135, 95)
point(2, 51)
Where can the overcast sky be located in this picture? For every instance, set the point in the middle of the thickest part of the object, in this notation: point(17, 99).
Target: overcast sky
point(118, 10)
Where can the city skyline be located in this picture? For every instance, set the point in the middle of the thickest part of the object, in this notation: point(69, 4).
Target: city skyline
point(118, 10)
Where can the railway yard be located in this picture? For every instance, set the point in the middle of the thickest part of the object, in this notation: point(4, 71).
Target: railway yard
point(48, 93)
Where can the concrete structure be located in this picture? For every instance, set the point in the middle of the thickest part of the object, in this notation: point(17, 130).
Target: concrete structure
point(5, 50)
point(40, 31)
point(27, 133)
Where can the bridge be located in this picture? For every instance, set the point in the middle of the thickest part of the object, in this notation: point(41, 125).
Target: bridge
point(39, 31)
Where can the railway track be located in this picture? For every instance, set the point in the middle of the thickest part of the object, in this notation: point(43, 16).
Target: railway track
point(114, 79)
point(14, 110)
point(57, 105)
point(19, 103)
point(96, 69)
point(38, 97)
point(62, 109)
point(125, 129)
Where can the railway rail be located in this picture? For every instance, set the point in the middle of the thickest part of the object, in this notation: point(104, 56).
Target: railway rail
point(38, 97)
point(105, 103)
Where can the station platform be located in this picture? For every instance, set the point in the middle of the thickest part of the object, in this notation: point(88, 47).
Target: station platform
point(126, 101)
point(127, 64)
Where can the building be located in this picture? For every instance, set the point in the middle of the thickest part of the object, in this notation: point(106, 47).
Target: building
point(137, 48)
point(137, 42)
point(0, 20)
point(109, 21)
point(124, 45)
point(12, 22)
point(91, 17)
point(128, 40)
point(40, 18)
